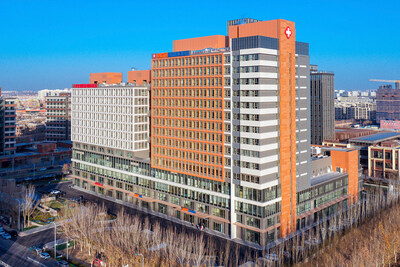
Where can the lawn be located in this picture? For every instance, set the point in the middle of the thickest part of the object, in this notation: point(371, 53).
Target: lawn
point(64, 246)
point(30, 227)
point(55, 205)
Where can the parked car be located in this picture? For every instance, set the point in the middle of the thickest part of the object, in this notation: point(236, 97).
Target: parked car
point(42, 169)
point(13, 233)
point(2, 231)
point(6, 236)
point(44, 255)
point(272, 257)
point(55, 192)
point(62, 263)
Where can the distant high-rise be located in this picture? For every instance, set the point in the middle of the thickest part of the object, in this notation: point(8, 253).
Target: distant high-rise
point(387, 103)
point(322, 105)
point(58, 116)
point(7, 125)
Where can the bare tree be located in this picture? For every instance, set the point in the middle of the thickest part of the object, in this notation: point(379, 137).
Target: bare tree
point(29, 203)
point(198, 250)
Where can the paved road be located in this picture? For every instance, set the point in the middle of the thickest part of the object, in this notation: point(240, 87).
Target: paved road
point(15, 254)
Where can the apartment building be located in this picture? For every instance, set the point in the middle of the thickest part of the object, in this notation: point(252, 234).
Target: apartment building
point(51, 92)
point(230, 145)
point(364, 109)
point(387, 103)
point(8, 125)
point(58, 117)
point(364, 142)
point(390, 125)
point(384, 160)
point(322, 87)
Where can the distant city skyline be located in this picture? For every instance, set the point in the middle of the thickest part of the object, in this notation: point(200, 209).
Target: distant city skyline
point(51, 45)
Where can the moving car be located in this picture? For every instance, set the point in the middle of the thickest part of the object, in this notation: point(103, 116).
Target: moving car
point(44, 255)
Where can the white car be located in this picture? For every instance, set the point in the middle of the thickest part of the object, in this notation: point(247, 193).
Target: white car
point(6, 236)
point(44, 255)
point(55, 192)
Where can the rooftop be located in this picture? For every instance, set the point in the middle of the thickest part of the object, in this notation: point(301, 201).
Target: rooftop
point(326, 177)
point(34, 153)
point(375, 138)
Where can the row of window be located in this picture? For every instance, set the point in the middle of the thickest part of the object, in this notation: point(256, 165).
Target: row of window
point(126, 164)
point(247, 165)
point(190, 135)
point(79, 110)
point(187, 145)
point(252, 105)
point(190, 61)
point(187, 103)
point(203, 92)
point(246, 129)
point(189, 124)
point(185, 155)
point(198, 114)
point(246, 69)
point(329, 197)
point(101, 127)
point(314, 192)
point(187, 82)
point(246, 57)
point(182, 72)
point(188, 167)
point(139, 185)
point(102, 93)
point(258, 195)
point(257, 211)
point(246, 153)
point(111, 101)
point(246, 81)
point(246, 117)
point(246, 177)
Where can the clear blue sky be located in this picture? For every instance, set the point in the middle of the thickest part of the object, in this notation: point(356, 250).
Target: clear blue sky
point(54, 43)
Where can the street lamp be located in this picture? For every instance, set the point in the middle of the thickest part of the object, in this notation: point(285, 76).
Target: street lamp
point(19, 215)
point(67, 248)
point(139, 254)
point(55, 239)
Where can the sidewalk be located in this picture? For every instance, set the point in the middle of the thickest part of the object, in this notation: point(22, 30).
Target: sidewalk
point(39, 229)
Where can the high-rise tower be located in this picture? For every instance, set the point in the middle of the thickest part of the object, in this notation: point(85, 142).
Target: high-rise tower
point(322, 88)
